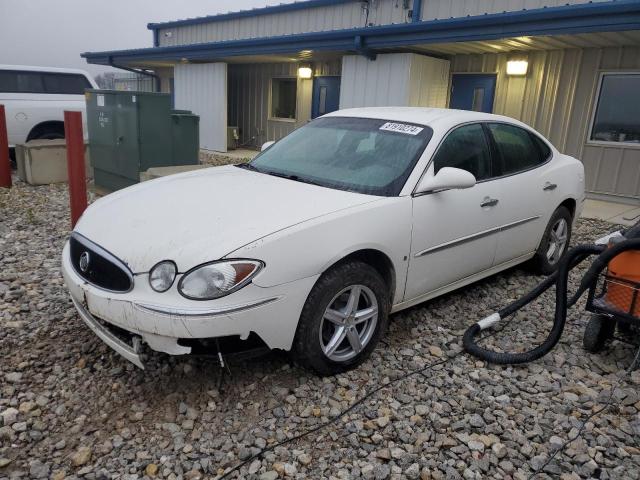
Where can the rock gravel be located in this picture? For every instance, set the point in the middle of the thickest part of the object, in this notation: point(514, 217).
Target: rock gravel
point(71, 408)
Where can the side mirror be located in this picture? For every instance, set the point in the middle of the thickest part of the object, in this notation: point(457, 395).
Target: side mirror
point(266, 145)
point(447, 178)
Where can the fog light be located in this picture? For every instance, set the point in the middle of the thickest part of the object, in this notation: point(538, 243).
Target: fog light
point(161, 276)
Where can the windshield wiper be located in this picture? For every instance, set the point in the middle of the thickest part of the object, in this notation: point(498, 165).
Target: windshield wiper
point(248, 166)
point(295, 178)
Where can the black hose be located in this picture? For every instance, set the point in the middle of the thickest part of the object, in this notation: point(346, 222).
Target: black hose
point(560, 279)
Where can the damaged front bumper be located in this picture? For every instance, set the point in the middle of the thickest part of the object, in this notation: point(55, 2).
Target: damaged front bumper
point(161, 320)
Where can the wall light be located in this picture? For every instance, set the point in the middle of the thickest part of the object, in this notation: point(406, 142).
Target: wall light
point(305, 72)
point(517, 67)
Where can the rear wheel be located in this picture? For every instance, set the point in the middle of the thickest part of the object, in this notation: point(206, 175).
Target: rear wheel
point(343, 319)
point(48, 131)
point(554, 244)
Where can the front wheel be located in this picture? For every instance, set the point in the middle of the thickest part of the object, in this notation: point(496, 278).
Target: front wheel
point(554, 244)
point(343, 319)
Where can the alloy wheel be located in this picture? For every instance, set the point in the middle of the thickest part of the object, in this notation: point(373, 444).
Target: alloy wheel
point(557, 240)
point(348, 323)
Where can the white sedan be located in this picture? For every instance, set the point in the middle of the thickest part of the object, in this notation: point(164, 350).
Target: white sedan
point(313, 244)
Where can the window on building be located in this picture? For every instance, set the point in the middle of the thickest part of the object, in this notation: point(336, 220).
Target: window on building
point(517, 149)
point(616, 118)
point(283, 98)
point(466, 148)
point(65, 83)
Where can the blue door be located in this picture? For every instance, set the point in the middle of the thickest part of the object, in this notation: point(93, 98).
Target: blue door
point(326, 95)
point(473, 92)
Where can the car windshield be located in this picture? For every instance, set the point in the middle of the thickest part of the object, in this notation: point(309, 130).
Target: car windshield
point(362, 155)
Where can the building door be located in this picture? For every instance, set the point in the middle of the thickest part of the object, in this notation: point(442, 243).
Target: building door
point(326, 95)
point(473, 92)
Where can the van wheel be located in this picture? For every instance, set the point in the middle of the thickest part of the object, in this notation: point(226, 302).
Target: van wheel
point(554, 244)
point(343, 319)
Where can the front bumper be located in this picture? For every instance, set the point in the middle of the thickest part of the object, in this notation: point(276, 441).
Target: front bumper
point(161, 319)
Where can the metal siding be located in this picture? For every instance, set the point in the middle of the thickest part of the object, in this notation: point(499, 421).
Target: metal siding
point(384, 82)
point(202, 88)
point(441, 9)
point(557, 98)
point(429, 82)
point(249, 99)
point(317, 19)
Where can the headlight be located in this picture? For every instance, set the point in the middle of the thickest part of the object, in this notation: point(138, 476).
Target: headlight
point(161, 276)
point(217, 279)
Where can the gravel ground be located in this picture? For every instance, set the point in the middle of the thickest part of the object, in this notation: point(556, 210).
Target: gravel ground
point(71, 408)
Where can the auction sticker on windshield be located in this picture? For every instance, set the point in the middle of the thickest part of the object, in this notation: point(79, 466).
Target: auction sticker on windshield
point(401, 128)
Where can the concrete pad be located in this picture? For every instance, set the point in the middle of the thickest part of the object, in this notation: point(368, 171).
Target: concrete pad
point(629, 218)
point(604, 210)
point(157, 172)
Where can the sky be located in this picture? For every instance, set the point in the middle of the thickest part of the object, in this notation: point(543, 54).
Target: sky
point(54, 33)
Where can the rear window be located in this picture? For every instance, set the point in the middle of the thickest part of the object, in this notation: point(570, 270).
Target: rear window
point(65, 83)
point(16, 81)
point(518, 150)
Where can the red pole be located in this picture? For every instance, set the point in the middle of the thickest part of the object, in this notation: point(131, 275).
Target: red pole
point(75, 164)
point(5, 166)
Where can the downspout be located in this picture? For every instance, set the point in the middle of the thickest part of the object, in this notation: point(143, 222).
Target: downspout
point(416, 13)
point(362, 49)
point(139, 72)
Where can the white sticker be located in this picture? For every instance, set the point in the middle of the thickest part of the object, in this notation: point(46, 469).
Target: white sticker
point(133, 98)
point(401, 128)
point(100, 100)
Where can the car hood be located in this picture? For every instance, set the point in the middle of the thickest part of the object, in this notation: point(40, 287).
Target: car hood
point(203, 215)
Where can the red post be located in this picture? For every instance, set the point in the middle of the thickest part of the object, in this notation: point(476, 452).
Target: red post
point(75, 164)
point(5, 166)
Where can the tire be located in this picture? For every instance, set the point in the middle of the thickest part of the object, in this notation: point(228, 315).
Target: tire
point(599, 330)
point(317, 345)
point(47, 132)
point(545, 261)
point(50, 135)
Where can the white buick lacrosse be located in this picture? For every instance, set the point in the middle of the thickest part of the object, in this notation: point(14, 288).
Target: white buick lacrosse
point(313, 244)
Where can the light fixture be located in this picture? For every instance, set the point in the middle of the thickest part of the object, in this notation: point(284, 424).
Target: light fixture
point(305, 72)
point(517, 67)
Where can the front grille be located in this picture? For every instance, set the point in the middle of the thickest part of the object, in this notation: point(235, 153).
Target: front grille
point(99, 267)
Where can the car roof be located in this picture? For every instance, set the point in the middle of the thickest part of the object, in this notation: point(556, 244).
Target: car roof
point(440, 118)
point(33, 68)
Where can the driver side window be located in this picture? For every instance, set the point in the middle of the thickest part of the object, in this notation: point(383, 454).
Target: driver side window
point(466, 148)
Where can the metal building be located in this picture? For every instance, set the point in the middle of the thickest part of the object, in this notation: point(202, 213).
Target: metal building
point(569, 68)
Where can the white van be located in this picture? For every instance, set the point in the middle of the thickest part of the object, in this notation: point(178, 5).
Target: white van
point(35, 99)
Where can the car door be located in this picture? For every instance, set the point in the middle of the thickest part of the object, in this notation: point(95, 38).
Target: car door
point(455, 231)
point(528, 189)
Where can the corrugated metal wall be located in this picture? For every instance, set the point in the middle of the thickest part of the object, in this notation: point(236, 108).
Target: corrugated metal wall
point(557, 98)
point(202, 88)
point(439, 9)
point(375, 84)
point(428, 82)
point(396, 79)
point(334, 17)
point(249, 99)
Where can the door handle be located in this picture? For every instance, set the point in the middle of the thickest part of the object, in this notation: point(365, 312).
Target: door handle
point(489, 202)
point(549, 186)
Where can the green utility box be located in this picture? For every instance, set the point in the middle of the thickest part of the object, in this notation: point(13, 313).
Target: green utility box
point(130, 132)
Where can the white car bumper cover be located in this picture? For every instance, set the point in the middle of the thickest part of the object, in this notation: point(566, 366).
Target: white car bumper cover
point(160, 319)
